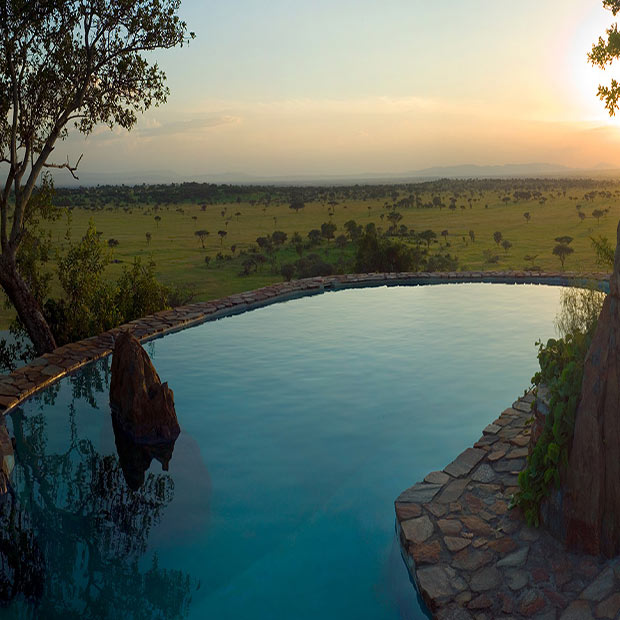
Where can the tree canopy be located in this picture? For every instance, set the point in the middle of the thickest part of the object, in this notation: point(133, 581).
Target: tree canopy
point(67, 64)
point(603, 53)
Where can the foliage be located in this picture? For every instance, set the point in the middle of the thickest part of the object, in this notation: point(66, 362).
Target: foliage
point(79, 62)
point(278, 238)
point(561, 370)
point(382, 255)
point(35, 249)
point(90, 303)
point(327, 230)
point(287, 271)
point(579, 310)
point(297, 204)
point(313, 265)
point(441, 262)
point(603, 53)
point(202, 235)
point(562, 250)
point(138, 293)
point(87, 306)
point(603, 250)
point(17, 348)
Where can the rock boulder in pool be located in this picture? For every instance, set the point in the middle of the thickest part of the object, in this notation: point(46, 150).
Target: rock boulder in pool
point(142, 405)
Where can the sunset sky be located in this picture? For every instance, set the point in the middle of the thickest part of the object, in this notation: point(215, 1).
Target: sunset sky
point(357, 86)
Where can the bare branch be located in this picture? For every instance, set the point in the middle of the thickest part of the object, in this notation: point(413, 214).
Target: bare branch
point(67, 165)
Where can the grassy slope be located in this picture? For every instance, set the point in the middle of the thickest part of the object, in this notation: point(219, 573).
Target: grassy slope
point(180, 257)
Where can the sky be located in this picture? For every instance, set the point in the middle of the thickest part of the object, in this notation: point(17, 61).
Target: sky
point(344, 87)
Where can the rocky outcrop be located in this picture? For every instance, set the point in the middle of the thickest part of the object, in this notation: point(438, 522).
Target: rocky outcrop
point(591, 503)
point(142, 406)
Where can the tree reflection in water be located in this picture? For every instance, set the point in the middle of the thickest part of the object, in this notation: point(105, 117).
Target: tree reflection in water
point(74, 534)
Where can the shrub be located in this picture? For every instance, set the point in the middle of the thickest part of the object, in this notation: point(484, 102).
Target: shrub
point(90, 305)
point(313, 265)
point(561, 370)
point(383, 255)
point(579, 310)
point(288, 271)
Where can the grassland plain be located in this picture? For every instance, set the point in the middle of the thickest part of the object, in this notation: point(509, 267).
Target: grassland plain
point(180, 257)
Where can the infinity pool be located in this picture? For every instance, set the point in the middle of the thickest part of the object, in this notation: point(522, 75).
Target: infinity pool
point(301, 423)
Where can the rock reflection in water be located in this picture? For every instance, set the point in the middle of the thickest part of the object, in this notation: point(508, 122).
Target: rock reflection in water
point(135, 458)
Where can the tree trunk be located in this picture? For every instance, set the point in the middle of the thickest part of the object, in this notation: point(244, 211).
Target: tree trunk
point(26, 306)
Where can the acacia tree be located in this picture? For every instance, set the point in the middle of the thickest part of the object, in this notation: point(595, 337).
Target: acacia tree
point(202, 236)
point(69, 63)
point(562, 250)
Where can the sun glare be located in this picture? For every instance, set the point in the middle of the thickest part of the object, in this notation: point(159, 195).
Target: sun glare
point(583, 78)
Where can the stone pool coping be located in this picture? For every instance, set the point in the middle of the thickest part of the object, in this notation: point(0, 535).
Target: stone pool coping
point(471, 556)
point(50, 367)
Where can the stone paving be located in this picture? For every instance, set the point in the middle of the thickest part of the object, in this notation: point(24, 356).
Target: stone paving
point(472, 556)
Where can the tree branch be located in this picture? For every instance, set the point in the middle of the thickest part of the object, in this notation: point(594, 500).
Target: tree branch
point(67, 165)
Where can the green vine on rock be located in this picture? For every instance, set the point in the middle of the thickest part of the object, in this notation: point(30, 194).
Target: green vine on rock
point(561, 370)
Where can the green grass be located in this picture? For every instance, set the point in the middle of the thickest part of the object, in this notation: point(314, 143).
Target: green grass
point(180, 257)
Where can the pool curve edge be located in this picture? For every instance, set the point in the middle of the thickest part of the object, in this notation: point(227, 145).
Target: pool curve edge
point(50, 367)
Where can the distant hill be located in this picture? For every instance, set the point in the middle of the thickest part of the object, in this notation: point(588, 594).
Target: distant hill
point(505, 170)
point(464, 171)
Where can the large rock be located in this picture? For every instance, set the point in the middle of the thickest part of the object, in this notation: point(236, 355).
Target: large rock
point(591, 503)
point(142, 406)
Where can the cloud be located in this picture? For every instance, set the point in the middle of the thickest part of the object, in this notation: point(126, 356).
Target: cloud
point(155, 129)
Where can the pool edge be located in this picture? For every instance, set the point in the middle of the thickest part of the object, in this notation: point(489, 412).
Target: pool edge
point(472, 556)
point(50, 367)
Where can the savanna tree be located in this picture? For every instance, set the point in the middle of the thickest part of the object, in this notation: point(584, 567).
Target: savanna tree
point(328, 230)
point(562, 250)
point(67, 64)
point(202, 236)
point(297, 204)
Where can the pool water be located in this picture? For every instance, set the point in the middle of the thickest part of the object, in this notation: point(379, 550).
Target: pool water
point(301, 423)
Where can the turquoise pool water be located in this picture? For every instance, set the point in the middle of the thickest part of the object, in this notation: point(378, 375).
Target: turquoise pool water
point(301, 422)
